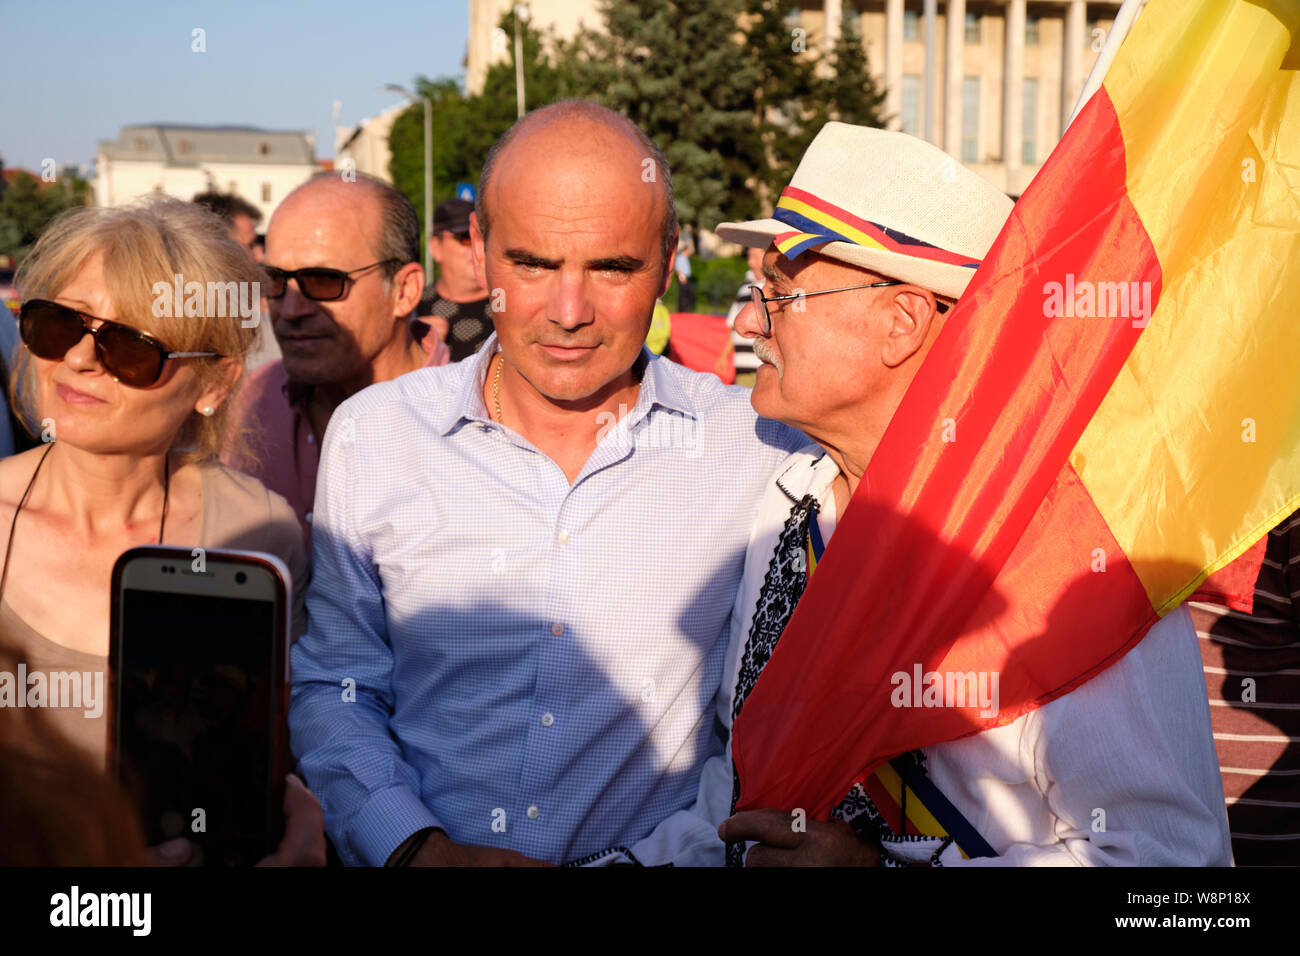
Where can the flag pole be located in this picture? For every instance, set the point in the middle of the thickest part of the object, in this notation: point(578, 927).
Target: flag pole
point(1124, 18)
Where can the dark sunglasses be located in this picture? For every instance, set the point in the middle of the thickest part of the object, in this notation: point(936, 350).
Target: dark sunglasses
point(49, 330)
point(317, 282)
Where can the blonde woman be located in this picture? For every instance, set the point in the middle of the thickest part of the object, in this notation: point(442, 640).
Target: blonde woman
point(130, 389)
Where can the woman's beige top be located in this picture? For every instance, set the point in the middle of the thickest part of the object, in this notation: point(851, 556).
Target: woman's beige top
point(238, 513)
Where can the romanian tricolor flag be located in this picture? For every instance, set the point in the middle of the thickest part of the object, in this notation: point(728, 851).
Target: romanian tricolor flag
point(1111, 414)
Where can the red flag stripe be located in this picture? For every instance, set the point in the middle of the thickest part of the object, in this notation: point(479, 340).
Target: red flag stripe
point(933, 522)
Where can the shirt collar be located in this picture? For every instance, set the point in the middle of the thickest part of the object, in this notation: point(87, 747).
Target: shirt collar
point(808, 476)
point(659, 387)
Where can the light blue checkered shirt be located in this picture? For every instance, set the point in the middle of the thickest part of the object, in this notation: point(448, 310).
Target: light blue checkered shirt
point(524, 663)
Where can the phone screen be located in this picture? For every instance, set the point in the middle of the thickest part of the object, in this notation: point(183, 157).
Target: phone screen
point(196, 686)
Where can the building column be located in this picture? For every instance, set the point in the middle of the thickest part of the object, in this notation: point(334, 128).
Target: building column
point(952, 98)
point(931, 95)
point(832, 12)
point(1013, 96)
point(893, 60)
point(1072, 58)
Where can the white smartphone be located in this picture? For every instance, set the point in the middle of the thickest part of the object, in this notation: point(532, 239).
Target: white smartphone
point(199, 657)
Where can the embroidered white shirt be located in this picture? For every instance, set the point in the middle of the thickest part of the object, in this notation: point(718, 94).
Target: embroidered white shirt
point(1121, 771)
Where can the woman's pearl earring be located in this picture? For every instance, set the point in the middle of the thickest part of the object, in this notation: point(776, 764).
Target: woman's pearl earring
point(208, 410)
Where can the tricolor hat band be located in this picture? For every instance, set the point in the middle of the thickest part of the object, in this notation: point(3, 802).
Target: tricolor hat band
point(814, 221)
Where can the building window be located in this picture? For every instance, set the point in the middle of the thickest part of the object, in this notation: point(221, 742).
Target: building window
point(264, 149)
point(911, 25)
point(1029, 123)
point(970, 119)
point(972, 27)
point(266, 192)
point(140, 144)
point(185, 147)
point(1031, 29)
point(909, 107)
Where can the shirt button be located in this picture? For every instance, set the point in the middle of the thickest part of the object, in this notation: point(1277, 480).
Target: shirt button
point(533, 812)
point(557, 629)
point(311, 439)
point(548, 719)
point(309, 515)
point(564, 537)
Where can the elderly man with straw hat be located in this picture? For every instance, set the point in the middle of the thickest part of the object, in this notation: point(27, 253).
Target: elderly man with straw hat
point(868, 250)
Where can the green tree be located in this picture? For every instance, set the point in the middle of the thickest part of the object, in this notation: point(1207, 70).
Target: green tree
point(28, 205)
point(850, 93)
point(785, 113)
point(677, 70)
point(729, 89)
point(465, 127)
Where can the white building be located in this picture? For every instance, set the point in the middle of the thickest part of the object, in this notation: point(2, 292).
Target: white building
point(1003, 74)
point(486, 45)
point(260, 166)
point(366, 144)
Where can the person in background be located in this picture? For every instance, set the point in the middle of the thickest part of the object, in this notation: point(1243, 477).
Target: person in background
point(685, 284)
point(241, 218)
point(456, 306)
point(132, 401)
point(747, 362)
point(661, 329)
point(1252, 675)
point(486, 531)
point(11, 430)
point(343, 277)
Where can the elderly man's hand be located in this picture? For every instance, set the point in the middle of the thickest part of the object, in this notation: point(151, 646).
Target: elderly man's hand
point(828, 843)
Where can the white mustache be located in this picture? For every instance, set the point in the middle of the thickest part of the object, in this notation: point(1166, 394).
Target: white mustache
point(763, 352)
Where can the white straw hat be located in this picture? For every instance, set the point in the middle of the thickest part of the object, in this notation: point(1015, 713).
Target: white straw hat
point(887, 202)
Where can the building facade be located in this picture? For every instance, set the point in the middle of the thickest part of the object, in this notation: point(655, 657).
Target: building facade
point(486, 45)
point(261, 166)
point(1003, 80)
point(1004, 74)
point(365, 146)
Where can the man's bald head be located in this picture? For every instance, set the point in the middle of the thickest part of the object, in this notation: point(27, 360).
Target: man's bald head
point(572, 119)
point(383, 212)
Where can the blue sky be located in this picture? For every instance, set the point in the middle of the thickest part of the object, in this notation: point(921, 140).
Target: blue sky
point(73, 73)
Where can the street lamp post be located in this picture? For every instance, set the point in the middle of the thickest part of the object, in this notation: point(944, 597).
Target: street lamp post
point(428, 172)
point(521, 17)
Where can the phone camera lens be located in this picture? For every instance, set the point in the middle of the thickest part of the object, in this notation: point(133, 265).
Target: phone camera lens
point(240, 577)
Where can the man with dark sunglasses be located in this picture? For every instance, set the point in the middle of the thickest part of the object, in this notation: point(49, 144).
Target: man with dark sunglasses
point(343, 271)
point(455, 306)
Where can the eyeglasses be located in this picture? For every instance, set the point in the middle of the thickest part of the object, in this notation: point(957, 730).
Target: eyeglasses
point(50, 330)
point(317, 283)
point(760, 301)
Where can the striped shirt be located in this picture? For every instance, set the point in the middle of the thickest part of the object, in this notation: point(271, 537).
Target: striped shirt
point(745, 359)
point(1252, 673)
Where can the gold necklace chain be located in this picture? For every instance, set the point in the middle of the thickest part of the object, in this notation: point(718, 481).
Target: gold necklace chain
point(496, 387)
